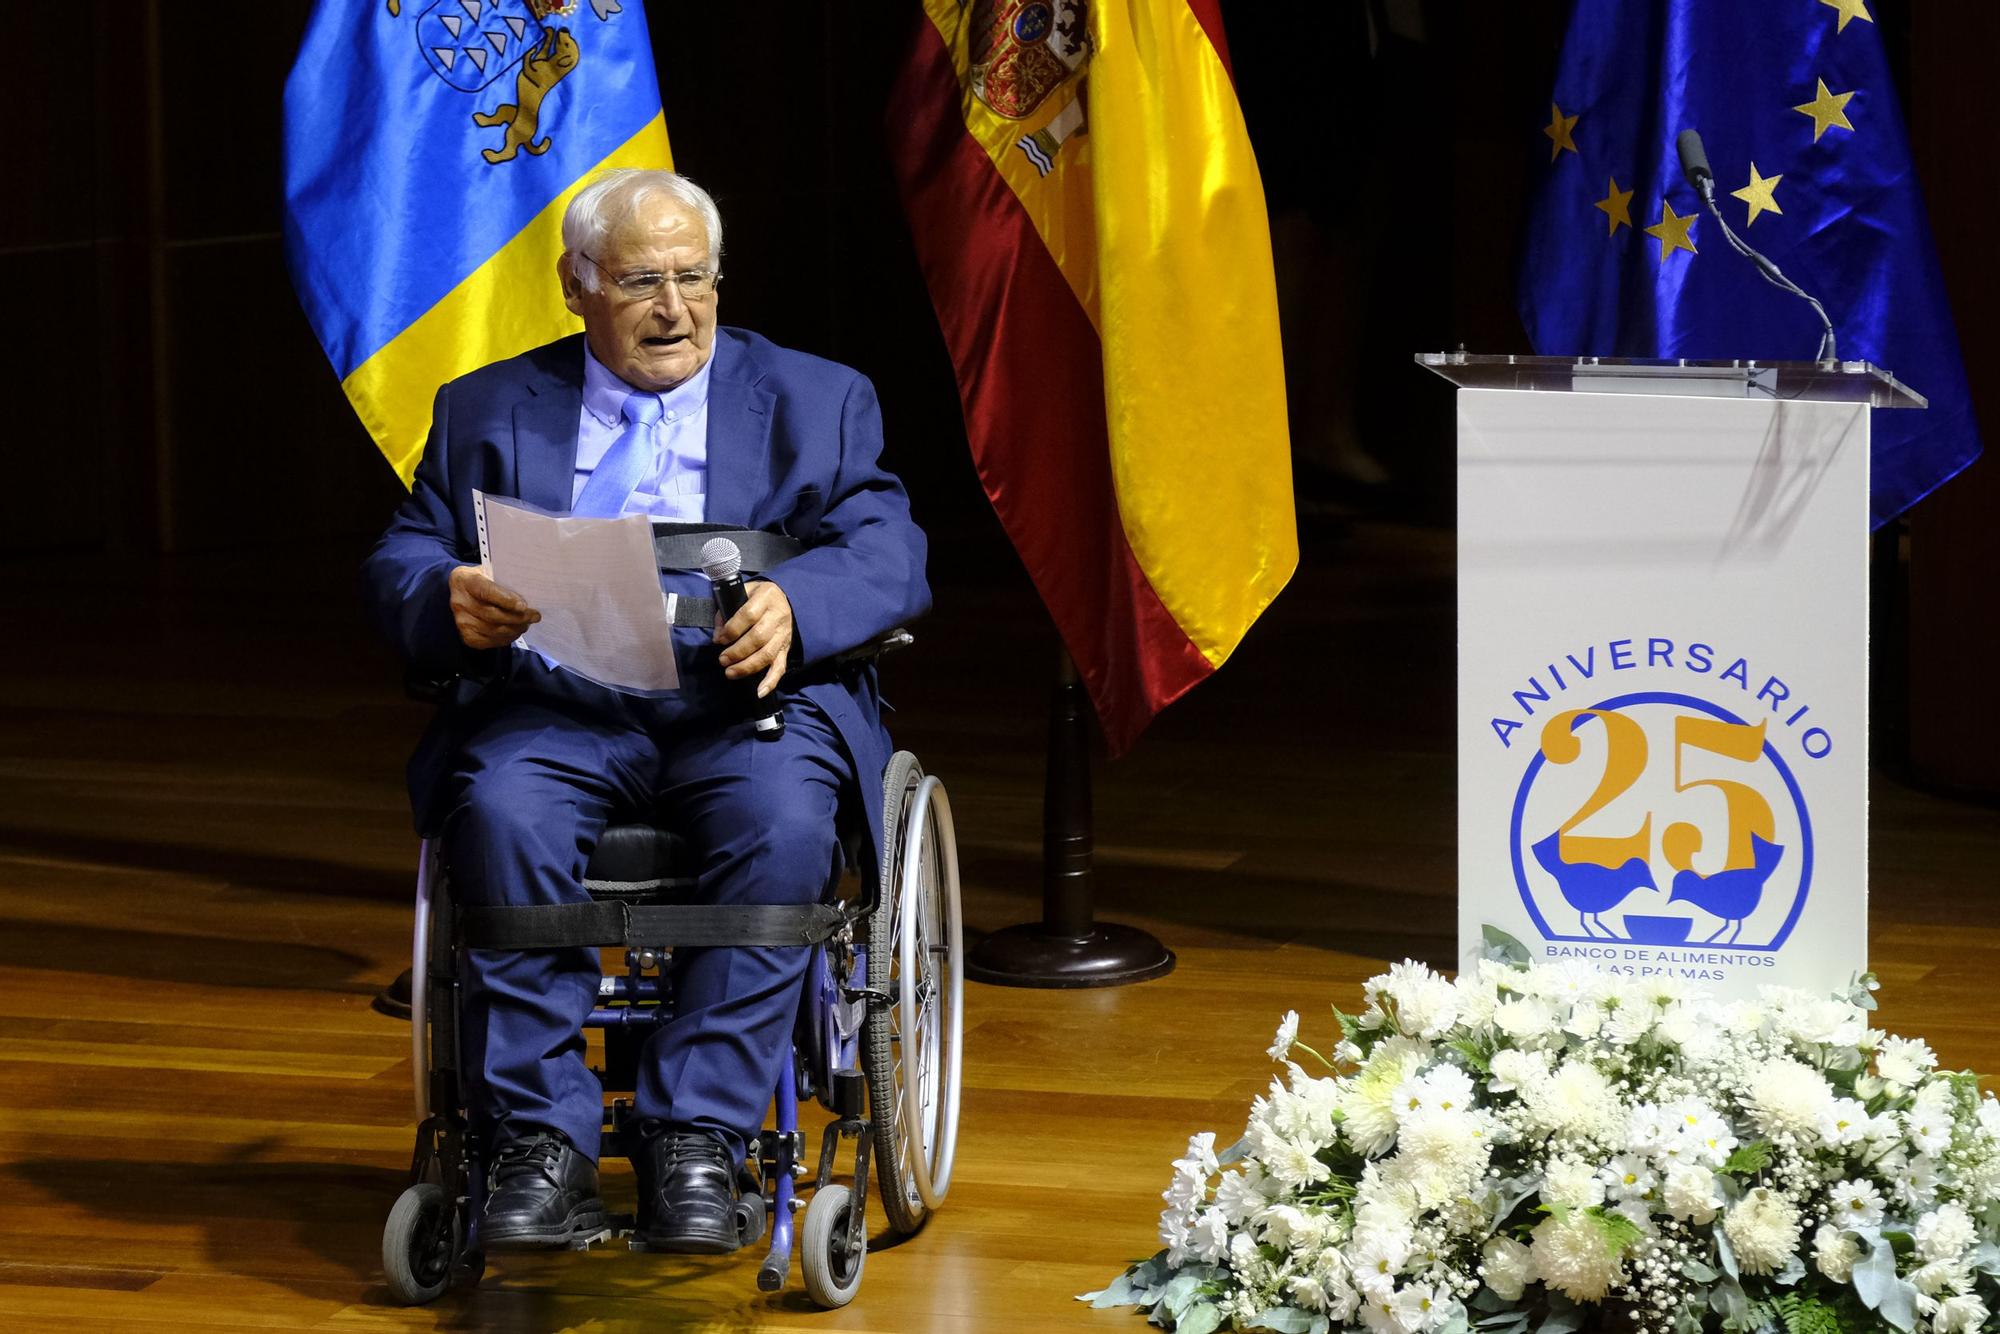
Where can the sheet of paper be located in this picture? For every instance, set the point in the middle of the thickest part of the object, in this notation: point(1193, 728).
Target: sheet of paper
point(596, 585)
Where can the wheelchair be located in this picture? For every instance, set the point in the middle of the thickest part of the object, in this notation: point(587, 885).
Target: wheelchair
point(877, 1042)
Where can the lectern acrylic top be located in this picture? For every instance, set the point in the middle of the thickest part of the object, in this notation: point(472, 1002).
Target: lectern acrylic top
point(1819, 381)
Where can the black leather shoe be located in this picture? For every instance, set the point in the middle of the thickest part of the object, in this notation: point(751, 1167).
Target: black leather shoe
point(690, 1202)
point(541, 1193)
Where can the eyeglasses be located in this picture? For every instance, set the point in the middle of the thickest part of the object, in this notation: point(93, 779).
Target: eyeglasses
point(692, 284)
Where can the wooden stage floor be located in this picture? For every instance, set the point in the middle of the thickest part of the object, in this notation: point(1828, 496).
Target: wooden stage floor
point(204, 876)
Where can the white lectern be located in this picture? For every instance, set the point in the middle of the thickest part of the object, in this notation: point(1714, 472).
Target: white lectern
point(1663, 663)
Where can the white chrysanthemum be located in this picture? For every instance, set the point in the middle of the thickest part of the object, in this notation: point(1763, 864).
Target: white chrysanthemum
point(1416, 1307)
point(1375, 1256)
point(1507, 1266)
point(1425, 1004)
point(1763, 1228)
point(1571, 1184)
point(1904, 1061)
point(1946, 1233)
point(1513, 1070)
point(1690, 1193)
point(1586, 1020)
point(1442, 1088)
point(1847, 1123)
point(1366, 1099)
point(1789, 1095)
point(1628, 1177)
point(1478, 995)
point(1208, 1236)
point(1701, 1135)
point(1288, 1033)
point(1934, 1278)
point(1573, 1256)
point(1962, 1314)
point(1854, 1203)
point(1306, 1292)
point(1916, 1184)
point(1243, 1193)
point(1442, 1154)
point(1174, 1236)
point(1804, 1017)
point(1577, 1100)
point(1341, 1297)
point(1834, 1253)
point(1293, 1165)
point(1989, 1115)
point(1632, 1019)
point(1526, 1019)
point(1928, 1122)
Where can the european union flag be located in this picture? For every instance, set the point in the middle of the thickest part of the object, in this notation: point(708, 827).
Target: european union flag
point(430, 149)
point(1795, 105)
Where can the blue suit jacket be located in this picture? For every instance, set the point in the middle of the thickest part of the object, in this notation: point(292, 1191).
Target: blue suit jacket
point(794, 445)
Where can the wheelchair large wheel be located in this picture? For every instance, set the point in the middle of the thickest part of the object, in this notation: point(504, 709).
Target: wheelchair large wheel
point(911, 1044)
point(419, 1244)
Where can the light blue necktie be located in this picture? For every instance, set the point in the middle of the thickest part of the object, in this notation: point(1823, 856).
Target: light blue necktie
point(624, 464)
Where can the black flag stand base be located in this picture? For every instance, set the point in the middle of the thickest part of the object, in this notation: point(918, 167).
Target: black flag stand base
point(1068, 947)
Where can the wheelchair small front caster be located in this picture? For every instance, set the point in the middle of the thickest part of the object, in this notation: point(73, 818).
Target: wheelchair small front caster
point(420, 1244)
point(831, 1265)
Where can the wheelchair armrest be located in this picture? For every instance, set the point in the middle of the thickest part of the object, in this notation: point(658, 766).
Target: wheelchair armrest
point(887, 643)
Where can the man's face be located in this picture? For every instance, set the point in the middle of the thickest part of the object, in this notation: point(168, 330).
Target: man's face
point(655, 342)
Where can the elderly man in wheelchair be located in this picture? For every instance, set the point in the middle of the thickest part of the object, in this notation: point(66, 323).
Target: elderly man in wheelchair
point(562, 816)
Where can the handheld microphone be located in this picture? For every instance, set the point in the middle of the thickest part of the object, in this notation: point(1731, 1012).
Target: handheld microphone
point(722, 562)
point(1694, 166)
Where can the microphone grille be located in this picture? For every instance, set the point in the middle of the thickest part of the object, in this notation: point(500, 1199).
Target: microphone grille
point(720, 559)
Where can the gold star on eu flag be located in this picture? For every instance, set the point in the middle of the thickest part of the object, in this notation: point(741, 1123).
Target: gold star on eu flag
point(1850, 10)
point(1559, 130)
point(1617, 207)
point(1672, 229)
point(1760, 194)
point(1827, 110)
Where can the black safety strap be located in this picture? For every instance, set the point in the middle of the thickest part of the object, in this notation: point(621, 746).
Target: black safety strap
point(677, 546)
point(547, 926)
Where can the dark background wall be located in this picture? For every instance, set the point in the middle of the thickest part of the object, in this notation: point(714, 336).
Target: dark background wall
point(166, 390)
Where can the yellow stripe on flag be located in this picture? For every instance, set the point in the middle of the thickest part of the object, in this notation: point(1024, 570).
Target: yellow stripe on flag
point(1058, 204)
point(506, 306)
point(1193, 371)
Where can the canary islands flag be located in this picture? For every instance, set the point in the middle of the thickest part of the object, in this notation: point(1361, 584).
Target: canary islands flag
point(1797, 110)
point(430, 149)
point(1091, 225)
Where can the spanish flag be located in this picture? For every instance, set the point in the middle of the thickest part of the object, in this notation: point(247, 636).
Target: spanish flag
point(430, 149)
point(1091, 225)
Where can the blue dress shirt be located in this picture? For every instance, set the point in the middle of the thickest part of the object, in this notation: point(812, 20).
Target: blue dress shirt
point(676, 485)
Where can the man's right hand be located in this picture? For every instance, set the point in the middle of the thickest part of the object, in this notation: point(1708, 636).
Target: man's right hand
point(487, 615)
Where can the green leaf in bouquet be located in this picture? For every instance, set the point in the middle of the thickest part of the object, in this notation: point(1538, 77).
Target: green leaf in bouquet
point(1490, 1301)
point(1185, 1288)
point(1286, 1320)
point(1234, 1153)
point(1699, 1272)
point(1501, 947)
point(1861, 991)
point(1806, 1315)
point(1121, 1291)
point(1200, 1318)
point(1794, 1270)
point(1564, 1317)
point(1473, 1053)
point(1880, 1290)
point(1749, 1159)
point(1986, 1259)
point(1728, 1300)
point(1618, 1230)
point(1725, 1255)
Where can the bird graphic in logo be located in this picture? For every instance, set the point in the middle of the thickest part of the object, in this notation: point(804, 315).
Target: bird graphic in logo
point(1592, 889)
point(1731, 895)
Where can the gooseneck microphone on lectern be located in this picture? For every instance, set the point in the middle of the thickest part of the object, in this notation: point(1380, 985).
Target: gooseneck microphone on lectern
point(722, 562)
point(1694, 166)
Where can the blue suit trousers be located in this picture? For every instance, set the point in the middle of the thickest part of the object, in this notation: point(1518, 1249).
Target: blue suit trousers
point(532, 789)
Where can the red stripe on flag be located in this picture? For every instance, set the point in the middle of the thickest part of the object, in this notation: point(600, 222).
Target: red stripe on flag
point(1031, 377)
point(1208, 13)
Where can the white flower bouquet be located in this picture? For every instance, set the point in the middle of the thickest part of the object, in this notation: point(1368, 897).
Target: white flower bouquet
point(1546, 1149)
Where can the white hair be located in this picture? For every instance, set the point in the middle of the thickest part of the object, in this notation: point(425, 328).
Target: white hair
point(615, 196)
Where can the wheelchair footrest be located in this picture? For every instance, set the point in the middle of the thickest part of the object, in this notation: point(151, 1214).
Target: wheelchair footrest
point(548, 926)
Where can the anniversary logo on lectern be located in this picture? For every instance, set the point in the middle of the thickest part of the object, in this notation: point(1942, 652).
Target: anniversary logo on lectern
point(1660, 828)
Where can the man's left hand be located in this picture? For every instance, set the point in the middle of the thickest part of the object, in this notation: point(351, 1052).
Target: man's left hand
point(758, 638)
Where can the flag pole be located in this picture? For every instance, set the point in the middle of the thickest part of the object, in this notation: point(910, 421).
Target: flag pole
point(1068, 947)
